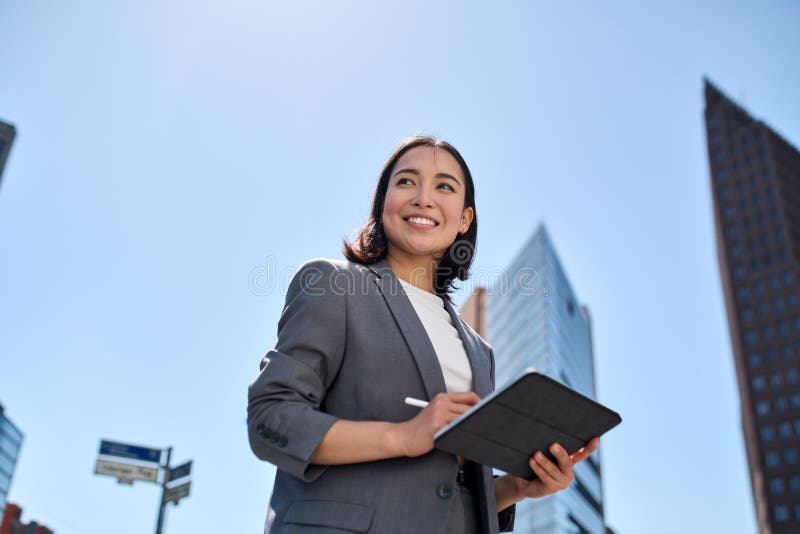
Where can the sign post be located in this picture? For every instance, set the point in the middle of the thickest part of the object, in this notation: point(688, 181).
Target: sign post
point(162, 505)
point(140, 466)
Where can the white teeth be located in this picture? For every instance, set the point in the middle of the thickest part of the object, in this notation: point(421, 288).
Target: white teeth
point(421, 220)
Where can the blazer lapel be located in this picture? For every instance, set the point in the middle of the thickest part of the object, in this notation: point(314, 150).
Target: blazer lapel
point(481, 380)
point(419, 342)
point(411, 328)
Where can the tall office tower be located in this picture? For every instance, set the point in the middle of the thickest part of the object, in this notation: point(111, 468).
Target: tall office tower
point(10, 442)
point(755, 183)
point(7, 133)
point(533, 319)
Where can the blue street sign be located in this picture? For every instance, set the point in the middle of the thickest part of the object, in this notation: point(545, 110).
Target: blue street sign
point(181, 471)
point(145, 454)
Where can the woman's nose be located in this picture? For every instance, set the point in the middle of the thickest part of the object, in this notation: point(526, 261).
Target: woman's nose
point(422, 198)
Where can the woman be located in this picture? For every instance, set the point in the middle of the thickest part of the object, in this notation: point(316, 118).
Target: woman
point(356, 338)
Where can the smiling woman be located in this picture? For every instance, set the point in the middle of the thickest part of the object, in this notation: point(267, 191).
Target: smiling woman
point(328, 406)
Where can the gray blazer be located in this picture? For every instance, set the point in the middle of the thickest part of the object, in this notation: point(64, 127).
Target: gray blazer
point(351, 346)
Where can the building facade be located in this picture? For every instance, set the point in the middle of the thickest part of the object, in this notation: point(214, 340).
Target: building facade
point(532, 318)
point(10, 443)
point(755, 183)
point(12, 523)
point(7, 133)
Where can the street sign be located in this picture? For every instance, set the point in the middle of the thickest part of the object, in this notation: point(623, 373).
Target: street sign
point(183, 470)
point(145, 454)
point(126, 473)
point(177, 493)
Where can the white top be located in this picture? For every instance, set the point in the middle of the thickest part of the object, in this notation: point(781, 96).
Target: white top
point(444, 337)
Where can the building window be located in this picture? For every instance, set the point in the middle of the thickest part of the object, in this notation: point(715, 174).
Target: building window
point(772, 356)
point(743, 292)
point(775, 380)
point(777, 305)
point(739, 272)
point(776, 486)
point(797, 426)
point(792, 375)
point(780, 404)
point(781, 513)
point(785, 429)
point(772, 459)
point(759, 382)
point(750, 337)
point(767, 433)
point(769, 333)
point(794, 484)
point(790, 458)
point(729, 212)
point(754, 359)
point(732, 231)
point(762, 407)
point(783, 329)
point(795, 401)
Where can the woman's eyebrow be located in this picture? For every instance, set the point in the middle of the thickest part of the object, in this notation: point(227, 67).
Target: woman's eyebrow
point(437, 175)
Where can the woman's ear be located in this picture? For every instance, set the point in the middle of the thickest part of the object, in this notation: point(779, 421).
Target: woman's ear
point(466, 220)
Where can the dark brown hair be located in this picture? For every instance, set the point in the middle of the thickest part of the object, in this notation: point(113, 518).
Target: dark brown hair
point(370, 244)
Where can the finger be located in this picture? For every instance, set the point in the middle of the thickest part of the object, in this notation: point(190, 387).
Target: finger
point(466, 397)
point(551, 468)
point(585, 451)
point(564, 461)
point(545, 478)
point(459, 408)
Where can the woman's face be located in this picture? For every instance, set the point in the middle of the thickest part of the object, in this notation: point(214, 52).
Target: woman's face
point(424, 206)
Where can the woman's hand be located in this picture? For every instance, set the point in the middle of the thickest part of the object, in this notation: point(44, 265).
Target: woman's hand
point(416, 435)
point(552, 477)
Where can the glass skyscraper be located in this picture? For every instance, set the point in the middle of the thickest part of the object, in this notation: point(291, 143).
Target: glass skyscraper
point(10, 443)
point(532, 318)
point(755, 184)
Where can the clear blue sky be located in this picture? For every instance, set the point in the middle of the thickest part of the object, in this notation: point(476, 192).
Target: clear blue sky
point(167, 150)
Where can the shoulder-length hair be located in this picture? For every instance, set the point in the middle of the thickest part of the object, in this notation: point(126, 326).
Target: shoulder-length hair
point(370, 244)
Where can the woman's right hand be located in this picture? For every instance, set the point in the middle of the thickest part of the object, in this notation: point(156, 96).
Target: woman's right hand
point(416, 435)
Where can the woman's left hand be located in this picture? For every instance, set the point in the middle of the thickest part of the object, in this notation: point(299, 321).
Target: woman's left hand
point(552, 477)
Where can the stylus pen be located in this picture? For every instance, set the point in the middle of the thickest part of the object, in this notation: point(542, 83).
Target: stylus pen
point(411, 401)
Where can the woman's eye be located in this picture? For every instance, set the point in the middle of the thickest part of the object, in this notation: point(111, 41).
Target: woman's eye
point(401, 180)
point(450, 187)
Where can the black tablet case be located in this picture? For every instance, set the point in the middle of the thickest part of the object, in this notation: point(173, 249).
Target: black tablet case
point(526, 416)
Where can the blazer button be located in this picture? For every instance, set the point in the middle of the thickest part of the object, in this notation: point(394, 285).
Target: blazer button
point(444, 491)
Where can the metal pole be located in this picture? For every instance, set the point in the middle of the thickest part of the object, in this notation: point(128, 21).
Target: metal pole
point(163, 505)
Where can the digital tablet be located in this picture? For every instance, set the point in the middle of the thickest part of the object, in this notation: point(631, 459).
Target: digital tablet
point(527, 415)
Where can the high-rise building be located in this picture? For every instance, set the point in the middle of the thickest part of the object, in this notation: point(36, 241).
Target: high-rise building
point(755, 183)
point(10, 443)
point(7, 133)
point(532, 318)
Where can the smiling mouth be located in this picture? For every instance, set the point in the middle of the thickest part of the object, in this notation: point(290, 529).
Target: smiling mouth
point(421, 220)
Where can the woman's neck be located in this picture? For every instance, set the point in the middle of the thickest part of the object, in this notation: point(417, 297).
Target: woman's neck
point(416, 272)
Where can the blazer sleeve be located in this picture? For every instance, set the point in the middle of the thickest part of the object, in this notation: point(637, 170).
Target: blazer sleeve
point(284, 422)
